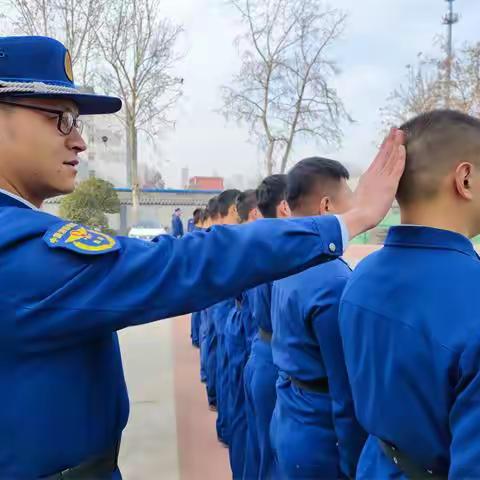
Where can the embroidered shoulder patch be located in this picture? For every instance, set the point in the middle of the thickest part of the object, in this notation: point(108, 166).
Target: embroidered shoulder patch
point(72, 236)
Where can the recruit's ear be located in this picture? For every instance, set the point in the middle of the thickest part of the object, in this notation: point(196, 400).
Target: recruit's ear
point(464, 176)
point(283, 210)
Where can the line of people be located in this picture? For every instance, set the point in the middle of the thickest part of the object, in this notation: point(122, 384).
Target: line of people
point(330, 374)
point(265, 354)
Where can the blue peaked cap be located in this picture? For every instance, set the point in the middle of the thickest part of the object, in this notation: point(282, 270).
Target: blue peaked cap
point(41, 67)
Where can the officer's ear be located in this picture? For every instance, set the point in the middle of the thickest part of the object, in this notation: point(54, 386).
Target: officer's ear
point(464, 174)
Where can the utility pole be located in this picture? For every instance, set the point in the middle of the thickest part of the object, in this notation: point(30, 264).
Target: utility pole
point(449, 20)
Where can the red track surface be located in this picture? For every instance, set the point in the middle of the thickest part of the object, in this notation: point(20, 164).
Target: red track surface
point(201, 457)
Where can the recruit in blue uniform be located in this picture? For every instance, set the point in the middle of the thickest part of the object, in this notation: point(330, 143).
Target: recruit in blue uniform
point(314, 431)
point(260, 372)
point(409, 314)
point(67, 290)
point(239, 332)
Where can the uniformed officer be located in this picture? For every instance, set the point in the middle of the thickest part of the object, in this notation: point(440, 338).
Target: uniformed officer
point(260, 372)
point(66, 289)
point(239, 332)
point(177, 224)
point(409, 315)
point(314, 432)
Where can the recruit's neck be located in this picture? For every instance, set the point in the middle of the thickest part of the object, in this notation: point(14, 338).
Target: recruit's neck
point(442, 217)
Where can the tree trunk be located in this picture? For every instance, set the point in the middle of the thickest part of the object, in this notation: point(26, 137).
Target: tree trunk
point(132, 151)
point(286, 154)
point(269, 157)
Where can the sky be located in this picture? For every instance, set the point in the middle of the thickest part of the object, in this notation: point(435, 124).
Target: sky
point(381, 38)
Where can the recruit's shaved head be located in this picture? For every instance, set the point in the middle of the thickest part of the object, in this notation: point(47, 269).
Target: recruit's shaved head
point(436, 142)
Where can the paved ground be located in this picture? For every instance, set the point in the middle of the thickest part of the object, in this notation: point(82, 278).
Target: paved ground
point(171, 433)
point(150, 442)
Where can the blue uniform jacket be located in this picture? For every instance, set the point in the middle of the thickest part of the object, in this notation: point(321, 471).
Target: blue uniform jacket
point(409, 322)
point(306, 345)
point(67, 290)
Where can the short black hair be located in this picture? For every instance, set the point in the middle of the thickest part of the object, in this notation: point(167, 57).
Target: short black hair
point(306, 174)
point(226, 199)
point(270, 194)
point(246, 202)
point(435, 141)
point(212, 208)
point(197, 215)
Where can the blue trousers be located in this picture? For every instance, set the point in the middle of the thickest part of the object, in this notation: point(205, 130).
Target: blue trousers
point(211, 361)
point(203, 346)
point(222, 390)
point(195, 328)
point(260, 395)
point(303, 434)
point(373, 463)
point(237, 354)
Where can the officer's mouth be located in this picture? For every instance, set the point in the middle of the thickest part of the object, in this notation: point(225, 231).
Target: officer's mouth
point(72, 164)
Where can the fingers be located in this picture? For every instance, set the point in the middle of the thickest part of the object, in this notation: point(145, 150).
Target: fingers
point(395, 162)
point(384, 153)
point(399, 166)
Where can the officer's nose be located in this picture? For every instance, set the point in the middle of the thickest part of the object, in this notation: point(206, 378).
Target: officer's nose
point(75, 141)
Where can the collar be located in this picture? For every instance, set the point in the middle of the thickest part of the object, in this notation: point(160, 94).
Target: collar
point(427, 237)
point(9, 199)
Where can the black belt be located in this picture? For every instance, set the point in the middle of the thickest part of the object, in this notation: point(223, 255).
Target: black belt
point(407, 466)
point(316, 386)
point(96, 468)
point(264, 335)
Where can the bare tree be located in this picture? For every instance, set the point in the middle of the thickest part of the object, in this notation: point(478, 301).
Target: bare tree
point(466, 79)
point(33, 17)
point(424, 87)
point(283, 89)
point(138, 47)
point(71, 21)
point(422, 91)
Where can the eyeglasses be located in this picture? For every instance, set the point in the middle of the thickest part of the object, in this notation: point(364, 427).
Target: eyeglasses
point(66, 119)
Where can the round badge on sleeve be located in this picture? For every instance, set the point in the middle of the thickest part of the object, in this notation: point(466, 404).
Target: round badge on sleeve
point(75, 237)
point(68, 66)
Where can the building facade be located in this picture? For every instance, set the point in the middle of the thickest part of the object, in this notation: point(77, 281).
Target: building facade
point(156, 207)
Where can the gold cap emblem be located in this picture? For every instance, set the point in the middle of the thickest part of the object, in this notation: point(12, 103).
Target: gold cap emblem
point(68, 66)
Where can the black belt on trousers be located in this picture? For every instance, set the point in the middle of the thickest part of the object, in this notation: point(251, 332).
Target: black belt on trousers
point(264, 335)
point(406, 465)
point(96, 468)
point(316, 386)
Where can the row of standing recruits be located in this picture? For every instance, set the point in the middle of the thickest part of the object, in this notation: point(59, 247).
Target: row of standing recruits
point(67, 289)
point(395, 344)
point(288, 365)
